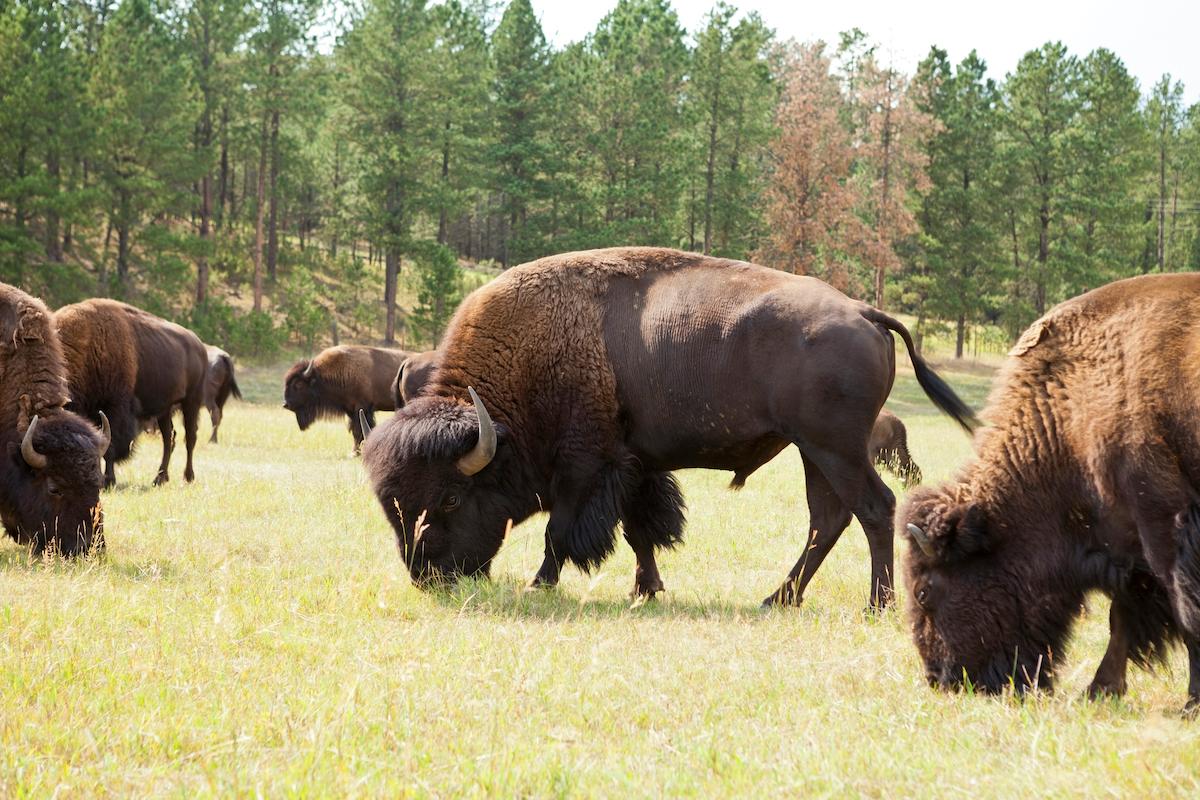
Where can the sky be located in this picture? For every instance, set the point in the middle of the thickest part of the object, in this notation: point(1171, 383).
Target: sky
point(1152, 37)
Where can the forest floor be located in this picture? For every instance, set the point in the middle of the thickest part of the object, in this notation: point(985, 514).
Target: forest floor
point(254, 633)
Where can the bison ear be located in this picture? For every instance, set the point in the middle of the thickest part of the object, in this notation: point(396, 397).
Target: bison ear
point(946, 530)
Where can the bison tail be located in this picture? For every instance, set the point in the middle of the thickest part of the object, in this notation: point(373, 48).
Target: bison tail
point(937, 389)
point(1187, 570)
point(233, 385)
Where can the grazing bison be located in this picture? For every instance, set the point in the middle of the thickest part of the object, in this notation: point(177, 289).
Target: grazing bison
point(598, 373)
point(1088, 478)
point(889, 448)
point(132, 365)
point(342, 380)
point(412, 376)
point(50, 476)
point(219, 383)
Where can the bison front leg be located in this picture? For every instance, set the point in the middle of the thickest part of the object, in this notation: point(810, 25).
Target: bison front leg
point(1110, 676)
point(167, 430)
point(653, 517)
point(1192, 708)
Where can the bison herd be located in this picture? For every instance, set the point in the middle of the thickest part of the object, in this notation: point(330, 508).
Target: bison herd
point(577, 384)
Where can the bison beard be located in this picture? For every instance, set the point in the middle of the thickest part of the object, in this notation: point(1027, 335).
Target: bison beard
point(1086, 480)
point(605, 371)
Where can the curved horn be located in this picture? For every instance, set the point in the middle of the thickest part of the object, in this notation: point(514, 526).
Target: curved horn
point(921, 538)
point(363, 425)
point(105, 433)
point(308, 371)
point(32, 457)
point(485, 449)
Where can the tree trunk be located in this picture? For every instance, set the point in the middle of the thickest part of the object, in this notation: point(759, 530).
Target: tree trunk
point(960, 336)
point(260, 193)
point(391, 275)
point(225, 184)
point(53, 243)
point(442, 222)
point(711, 170)
point(202, 261)
point(1162, 201)
point(273, 229)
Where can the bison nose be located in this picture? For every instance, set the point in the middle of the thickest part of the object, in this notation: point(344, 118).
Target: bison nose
point(285, 405)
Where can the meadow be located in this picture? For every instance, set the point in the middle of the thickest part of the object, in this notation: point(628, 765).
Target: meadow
point(255, 633)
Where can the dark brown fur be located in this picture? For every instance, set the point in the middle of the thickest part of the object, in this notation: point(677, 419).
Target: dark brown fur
point(1087, 479)
point(132, 365)
point(889, 448)
point(343, 380)
point(606, 370)
point(57, 506)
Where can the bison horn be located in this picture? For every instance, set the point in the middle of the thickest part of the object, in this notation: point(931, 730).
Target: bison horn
point(308, 371)
point(485, 449)
point(32, 457)
point(105, 433)
point(921, 538)
point(363, 425)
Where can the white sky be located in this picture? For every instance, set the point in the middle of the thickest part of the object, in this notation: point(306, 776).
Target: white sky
point(1151, 37)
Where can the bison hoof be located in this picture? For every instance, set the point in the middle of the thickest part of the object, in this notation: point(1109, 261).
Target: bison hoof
point(161, 478)
point(1104, 690)
point(646, 592)
point(783, 596)
point(189, 476)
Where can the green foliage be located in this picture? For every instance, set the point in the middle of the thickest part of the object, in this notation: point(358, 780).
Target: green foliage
point(305, 318)
point(438, 284)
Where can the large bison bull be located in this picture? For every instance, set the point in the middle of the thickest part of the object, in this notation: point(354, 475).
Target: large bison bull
point(132, 365)
point(598, 373)
point(1087, 478)
point(50, 480)
point(341, 381)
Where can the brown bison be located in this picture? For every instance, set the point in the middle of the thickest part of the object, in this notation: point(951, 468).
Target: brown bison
point(412, 376)
point(889, 448)
point(342, 380)
point(598, 373)
point(1088, 478)
point(132, 365)
point(50, 479)
point(219, 383)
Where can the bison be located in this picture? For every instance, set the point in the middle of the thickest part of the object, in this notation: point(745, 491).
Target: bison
point(50, 479)
point(342, 380)
point(579, 382)
point(1086, 479)
point(412, 376)
point(132, 365)
point(889, 448)
point(219, 383)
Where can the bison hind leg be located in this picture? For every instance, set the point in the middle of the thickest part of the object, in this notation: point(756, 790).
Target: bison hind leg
point(1187, 570)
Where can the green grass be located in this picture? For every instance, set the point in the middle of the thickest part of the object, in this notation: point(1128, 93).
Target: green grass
point(254, 633)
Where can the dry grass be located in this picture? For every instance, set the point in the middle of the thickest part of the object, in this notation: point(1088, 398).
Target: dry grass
point(254, 633)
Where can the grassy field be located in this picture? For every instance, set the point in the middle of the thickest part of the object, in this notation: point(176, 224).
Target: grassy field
point(255, 634)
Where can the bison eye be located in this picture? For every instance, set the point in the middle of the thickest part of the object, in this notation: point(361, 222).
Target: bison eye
point(923, 596)
point(451, 502)
point(53, 490)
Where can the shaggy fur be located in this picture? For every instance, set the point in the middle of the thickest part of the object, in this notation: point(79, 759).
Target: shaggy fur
point(133, 365)
point(57, 506)
point(607, 370)
point(1085, 480)
point(343, 380)
point(889, 448)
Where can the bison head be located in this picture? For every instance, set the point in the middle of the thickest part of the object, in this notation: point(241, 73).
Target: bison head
point(52, 479)
point(440, 468)
point(301, 393)
point(984, 611)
